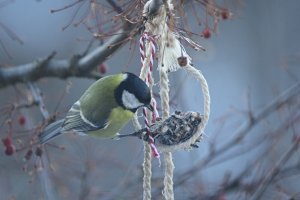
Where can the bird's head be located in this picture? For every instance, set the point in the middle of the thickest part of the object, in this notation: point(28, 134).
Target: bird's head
point(133, 93)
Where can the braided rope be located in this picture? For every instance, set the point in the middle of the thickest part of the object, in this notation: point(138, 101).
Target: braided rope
point(147, 150)
point(146, 37)
point(206, 98)
point(168, 160)
point(147, 51)
point(167, 61)
point(206, 111)
point(168, 179)
point(147, 172)
point(164, 93)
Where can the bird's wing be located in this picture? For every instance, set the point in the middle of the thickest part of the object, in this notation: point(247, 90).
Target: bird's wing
point(76, 121)
point(92, 111)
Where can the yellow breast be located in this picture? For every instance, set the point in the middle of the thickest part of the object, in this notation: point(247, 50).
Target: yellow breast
point(117, 119)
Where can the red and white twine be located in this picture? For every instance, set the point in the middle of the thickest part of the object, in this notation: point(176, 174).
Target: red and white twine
point(147, 37)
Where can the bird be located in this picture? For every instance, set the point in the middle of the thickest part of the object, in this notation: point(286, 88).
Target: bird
point(104, 108)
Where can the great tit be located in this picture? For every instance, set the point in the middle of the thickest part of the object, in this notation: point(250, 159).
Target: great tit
point(104, 108)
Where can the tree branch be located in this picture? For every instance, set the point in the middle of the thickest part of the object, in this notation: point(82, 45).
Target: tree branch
point(275, 170)
point(77, 66)
point(113, 4)
point(288, 95)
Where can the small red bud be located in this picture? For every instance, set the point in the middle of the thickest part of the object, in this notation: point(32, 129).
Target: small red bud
point(22, 120)
point(102, 68)
point(206, 33)
point(7, 141)
point(10, 150)
point(225, 14)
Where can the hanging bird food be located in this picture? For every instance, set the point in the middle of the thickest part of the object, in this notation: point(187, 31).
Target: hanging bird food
point(182, 130)
point(175, 130)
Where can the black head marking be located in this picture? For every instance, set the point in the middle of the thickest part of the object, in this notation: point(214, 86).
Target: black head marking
point(136, 86)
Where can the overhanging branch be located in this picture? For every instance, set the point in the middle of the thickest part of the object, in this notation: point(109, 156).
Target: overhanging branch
point(77, 66)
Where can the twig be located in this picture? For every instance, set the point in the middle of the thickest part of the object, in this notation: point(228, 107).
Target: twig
point(37, 96)
point(276, 169)
point(282, 99)
point(77, 66)
point(237, 183)
point(43, 174)
point(264, 137)
point(65, 7)
point(11, 34)
point(115, 6)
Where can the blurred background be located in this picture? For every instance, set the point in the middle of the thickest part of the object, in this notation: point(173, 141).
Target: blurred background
point(250, 60)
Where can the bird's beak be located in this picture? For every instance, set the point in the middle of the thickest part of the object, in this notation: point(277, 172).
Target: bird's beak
point(150, 107)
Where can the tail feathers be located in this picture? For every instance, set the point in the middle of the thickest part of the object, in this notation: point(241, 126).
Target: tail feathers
point(51, 131)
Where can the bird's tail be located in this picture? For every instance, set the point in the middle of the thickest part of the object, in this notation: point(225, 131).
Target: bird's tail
point(51, 131)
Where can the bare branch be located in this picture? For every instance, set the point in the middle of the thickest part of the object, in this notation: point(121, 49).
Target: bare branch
point(77, 66)
point(275, 170)
point(37, 96)
point(113, 4)
point(282, 99)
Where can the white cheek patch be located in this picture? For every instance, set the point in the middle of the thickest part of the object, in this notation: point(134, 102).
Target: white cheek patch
point(130, 101)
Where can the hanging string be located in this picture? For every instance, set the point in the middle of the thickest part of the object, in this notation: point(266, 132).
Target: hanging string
point(168, 160)
point(147, 51)
point(170, 50)
point(206, 101)
point(167, 61)
point(148, 39)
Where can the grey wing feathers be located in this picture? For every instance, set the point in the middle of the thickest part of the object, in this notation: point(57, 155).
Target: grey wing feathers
point(74, 121)
point(77, 122)
point(51, 131)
